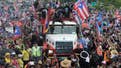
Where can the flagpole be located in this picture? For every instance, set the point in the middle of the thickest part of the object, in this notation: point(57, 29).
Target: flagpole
point(80, 29)
point(79, 24)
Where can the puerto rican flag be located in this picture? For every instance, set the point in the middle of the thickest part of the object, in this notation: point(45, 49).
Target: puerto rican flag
point(81, 8)
point(76, 17)
point(46, 22)
point(17, 32)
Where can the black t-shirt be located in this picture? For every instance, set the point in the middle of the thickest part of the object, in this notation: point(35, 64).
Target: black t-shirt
point(34, 39)
point(43, 14)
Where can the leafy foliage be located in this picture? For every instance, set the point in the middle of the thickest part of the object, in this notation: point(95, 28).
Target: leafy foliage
point(110, 3)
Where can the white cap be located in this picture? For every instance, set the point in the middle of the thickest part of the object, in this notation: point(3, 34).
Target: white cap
point(13, 53)
point(20, 55)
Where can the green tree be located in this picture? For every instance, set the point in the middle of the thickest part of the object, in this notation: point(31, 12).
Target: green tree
point(115, 3)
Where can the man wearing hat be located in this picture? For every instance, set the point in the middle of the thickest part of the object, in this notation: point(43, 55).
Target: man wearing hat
point(65, 63)
point(8, 59)
point(14, 60)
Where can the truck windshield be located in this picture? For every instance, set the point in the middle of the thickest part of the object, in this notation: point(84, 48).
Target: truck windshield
point(59, 29)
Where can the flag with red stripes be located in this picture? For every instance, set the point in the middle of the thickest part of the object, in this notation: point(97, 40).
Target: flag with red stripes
point(81, 8)
point(76, 17)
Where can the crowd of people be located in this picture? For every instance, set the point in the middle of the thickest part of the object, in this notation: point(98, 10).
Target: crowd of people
point(100, 36)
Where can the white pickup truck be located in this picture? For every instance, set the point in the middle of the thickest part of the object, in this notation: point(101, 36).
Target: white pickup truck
point(62, 37)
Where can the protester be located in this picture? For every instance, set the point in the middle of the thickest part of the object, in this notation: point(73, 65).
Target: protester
point(55, 63)
point(8, 59)
point(15, 61)
point(74, 61)
point(65, 63)
point(26, 56)
point(20, 61)
point(36, 52)
point(48, 63)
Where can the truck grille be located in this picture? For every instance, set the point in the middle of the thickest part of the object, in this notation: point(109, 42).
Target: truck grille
point(64, 47)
